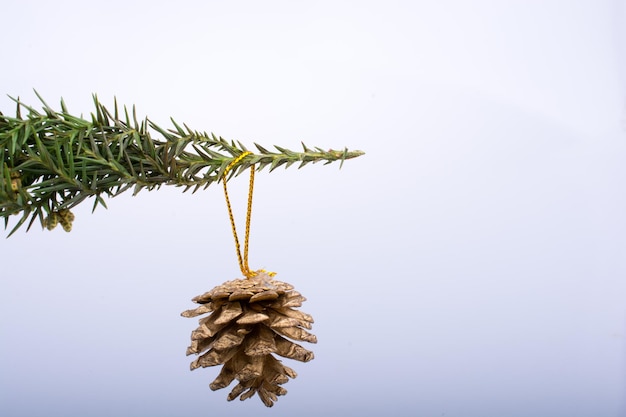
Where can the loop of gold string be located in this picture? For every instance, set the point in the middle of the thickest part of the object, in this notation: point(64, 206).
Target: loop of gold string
point(243, 261)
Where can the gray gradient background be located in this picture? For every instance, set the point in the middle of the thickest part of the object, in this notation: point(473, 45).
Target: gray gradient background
point(472, 263)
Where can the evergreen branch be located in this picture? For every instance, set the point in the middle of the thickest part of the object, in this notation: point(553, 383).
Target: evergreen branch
point(53, 161)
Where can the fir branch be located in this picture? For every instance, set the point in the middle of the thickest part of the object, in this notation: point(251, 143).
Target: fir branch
point(53, 161)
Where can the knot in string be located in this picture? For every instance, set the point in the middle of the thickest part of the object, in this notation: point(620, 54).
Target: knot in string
point(243, 260)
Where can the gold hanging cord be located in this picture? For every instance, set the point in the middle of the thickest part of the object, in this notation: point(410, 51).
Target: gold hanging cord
point(243, 260)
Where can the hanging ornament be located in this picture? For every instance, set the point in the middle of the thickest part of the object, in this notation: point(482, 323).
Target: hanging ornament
point(250, 320)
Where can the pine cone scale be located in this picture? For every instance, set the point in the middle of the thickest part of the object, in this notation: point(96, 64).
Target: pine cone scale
point(228, 312)
point(268, 295)
point(228, 340)
point(252, 317)
point(288, 349)
point(240, 295)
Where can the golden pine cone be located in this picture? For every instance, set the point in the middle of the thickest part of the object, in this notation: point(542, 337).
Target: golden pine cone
point(249, 320)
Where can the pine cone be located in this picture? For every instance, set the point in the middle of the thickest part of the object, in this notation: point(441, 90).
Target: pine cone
point(249, 320)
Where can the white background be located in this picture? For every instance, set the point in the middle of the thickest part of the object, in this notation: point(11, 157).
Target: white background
point(472, 263)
